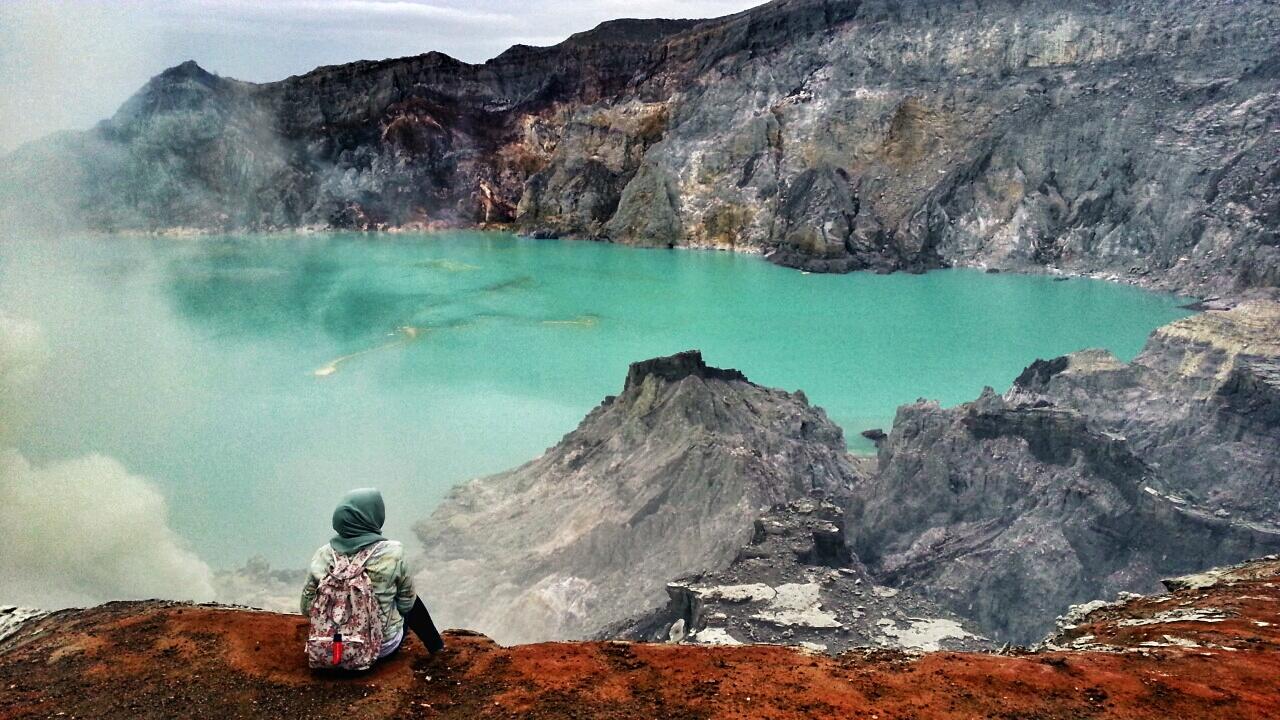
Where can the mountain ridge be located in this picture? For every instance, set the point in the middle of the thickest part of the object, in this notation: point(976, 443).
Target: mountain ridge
point(828, 135)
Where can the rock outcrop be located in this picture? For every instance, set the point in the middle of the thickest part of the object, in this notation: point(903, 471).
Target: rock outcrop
point(12, 618)
point(663, 480)
point(1210, 651)
point(1200, 405)
point(798, 583)
point(257, 585)
point(1204, 610)
point(1135, 140)
point(1088, 478)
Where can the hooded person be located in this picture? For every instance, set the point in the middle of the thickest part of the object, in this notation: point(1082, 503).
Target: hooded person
point(357, 520)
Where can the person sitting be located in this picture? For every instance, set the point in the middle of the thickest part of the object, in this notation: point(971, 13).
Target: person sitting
point(358, 589)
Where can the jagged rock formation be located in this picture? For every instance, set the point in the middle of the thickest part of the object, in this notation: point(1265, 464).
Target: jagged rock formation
point(798, 583)
point(663, 480)
point(831, 135)
point(1088, 477)
point(1212, 651)
point(1201, 405)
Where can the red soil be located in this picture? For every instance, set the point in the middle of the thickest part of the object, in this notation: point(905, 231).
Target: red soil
point(164, 660)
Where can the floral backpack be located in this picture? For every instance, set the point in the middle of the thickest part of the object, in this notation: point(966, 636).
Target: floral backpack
point(346, 629)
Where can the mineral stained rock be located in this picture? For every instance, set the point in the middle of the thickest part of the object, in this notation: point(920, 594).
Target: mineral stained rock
point(661, 481)
point(1136, 140)
point(1088, 477)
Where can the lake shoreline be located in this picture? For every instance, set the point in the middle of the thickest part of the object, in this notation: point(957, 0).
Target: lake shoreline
point(1146, 281)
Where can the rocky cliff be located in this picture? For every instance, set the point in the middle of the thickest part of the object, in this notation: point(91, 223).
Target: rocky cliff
point(1138, 140)
point(1089, 477)
point(663, 480)
point(1211, 649)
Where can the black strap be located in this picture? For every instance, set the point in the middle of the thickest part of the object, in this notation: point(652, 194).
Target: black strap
point(419, 621)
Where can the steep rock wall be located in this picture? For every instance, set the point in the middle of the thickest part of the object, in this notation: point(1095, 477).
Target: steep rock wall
point(1089, 477)
point(1133, 140)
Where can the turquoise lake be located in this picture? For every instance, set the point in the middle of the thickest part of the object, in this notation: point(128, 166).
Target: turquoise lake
point(253, 379)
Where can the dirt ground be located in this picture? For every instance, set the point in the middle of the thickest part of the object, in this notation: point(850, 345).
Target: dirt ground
point(1200, 653)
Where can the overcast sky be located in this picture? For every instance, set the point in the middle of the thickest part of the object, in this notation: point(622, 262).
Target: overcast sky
point(68, 64)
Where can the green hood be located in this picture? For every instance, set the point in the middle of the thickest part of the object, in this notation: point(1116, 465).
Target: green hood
point(358, 520)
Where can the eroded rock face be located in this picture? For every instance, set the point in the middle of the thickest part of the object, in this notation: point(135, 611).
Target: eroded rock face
point(1089, 477)
point(798, 583)
point(1200, 404)
point(256, 584)
point(663, 480)
point(830, 135)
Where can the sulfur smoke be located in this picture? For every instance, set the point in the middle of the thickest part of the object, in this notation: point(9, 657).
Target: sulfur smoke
point(84, 530)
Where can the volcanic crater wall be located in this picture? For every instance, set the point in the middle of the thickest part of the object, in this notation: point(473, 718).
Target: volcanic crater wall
point(1136, 140)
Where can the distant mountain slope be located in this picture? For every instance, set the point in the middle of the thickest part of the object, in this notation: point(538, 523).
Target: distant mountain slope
point(1138, 139)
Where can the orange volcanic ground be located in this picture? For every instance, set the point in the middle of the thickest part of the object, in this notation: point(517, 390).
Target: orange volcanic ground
point(1204, 652)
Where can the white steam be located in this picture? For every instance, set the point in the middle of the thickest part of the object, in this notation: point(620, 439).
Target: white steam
point(67, 64)
point(85, 530)
point(23, 351)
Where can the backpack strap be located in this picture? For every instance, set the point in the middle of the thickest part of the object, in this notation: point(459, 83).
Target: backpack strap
point(362, 557)
point(347, 566)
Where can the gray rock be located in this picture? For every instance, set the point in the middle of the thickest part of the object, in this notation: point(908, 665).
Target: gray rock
point(1201, 404)
point(257, 585)
point(12, 618)
point(663, 480)
point(797, 583)
point(1088, 478)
